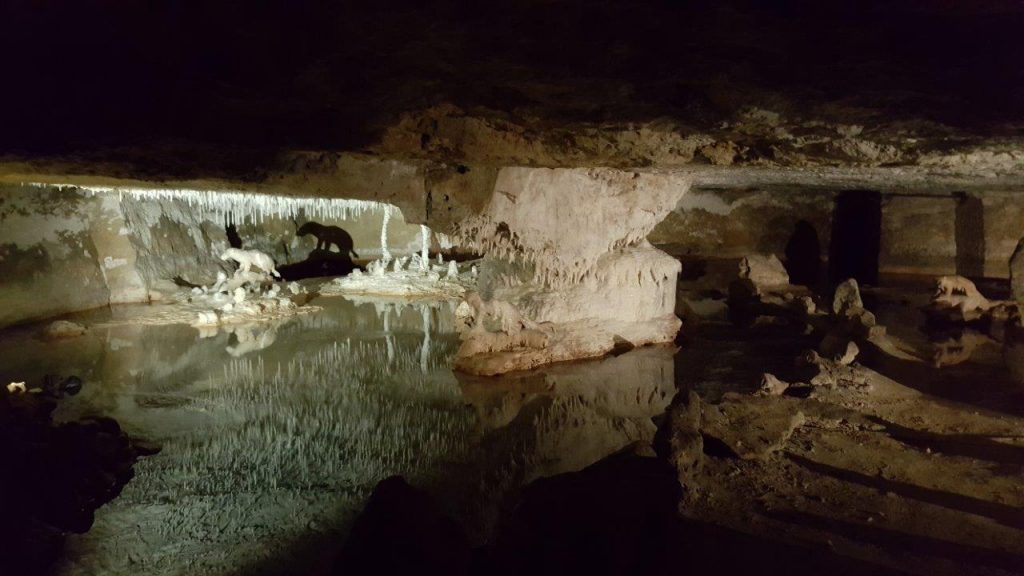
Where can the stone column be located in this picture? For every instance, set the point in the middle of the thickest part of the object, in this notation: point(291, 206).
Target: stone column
point(569, 273)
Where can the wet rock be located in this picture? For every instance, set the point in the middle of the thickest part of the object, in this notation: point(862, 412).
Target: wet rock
point(752, 427)
point(771, 386)
point(763, 271)
point(847, 297)
point(62, 329)
point(58, 387)
point(402, 531)
point(53, 477)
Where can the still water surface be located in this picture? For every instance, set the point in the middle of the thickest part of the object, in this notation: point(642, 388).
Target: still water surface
point(272, 435)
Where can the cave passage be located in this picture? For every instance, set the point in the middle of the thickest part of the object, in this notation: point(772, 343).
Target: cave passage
point(856, 237)
point(803, 255)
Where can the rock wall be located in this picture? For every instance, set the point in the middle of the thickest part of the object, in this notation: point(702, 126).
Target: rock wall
point(61, 251)
point(1003, 226)
point(735, 223)
point(971, 234)
point(276, 236)
point(919, 236)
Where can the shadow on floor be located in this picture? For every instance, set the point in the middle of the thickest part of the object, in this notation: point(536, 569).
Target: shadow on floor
point(618, 516)
point(1006, 515)
point(319, 263)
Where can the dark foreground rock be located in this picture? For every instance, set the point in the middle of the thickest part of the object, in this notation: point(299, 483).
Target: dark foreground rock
point(53, 478)
point(402, 531)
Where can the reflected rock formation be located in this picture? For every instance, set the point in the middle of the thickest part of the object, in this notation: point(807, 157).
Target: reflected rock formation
point(562, 418)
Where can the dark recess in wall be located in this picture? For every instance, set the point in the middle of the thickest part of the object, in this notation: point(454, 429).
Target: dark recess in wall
point(970, 236)
point(856, 237)
point(803, 255)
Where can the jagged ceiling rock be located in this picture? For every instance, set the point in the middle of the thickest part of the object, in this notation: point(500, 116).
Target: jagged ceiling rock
point(223, 87)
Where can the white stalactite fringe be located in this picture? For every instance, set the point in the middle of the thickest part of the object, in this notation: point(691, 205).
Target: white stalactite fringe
point(234, 206)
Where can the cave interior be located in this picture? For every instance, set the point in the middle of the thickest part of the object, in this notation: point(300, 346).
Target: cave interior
point(518, 287)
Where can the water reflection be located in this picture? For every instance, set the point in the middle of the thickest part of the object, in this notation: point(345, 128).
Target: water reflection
point(273, 434)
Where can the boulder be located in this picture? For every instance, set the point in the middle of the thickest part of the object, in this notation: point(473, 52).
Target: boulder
point(62, 329)
point(403, 531)
point(847, 297)
point(763, 271)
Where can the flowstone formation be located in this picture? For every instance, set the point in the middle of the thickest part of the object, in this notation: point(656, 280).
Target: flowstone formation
point(568, 271)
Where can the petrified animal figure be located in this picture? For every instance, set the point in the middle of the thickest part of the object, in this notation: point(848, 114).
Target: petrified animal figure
point(327, 235)
point(249, 258)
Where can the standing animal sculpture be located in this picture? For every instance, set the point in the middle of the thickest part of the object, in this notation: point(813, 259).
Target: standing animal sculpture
point(327, 235)
point(248, 258)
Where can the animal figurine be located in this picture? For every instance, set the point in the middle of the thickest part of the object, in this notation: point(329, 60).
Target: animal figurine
point(327, 235)
point(959, 292)
point(249, 258)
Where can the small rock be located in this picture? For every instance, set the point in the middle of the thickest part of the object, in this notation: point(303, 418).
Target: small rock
point(63, 329)
point(771, 386)
point(849, 355)
point(763, 271)
point(805, 305)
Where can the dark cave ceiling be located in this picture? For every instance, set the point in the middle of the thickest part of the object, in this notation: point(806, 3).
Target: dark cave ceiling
point(332, 75)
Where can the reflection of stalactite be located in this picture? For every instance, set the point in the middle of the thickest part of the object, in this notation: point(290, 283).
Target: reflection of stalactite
point(281, 427)
point(388, 336)
point(425, 347)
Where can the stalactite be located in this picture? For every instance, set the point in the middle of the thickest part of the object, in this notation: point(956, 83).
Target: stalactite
point(234, 206)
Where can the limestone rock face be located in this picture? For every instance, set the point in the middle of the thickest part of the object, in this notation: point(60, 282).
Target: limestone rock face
point(569, 280)
point(174, 241)
point(1017, 272)
point(50, 260)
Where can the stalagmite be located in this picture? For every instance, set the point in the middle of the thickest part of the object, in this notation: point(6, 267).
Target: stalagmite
point(424, 248)
point(385, 255)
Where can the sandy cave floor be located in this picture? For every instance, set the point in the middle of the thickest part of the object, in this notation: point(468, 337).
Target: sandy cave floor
point(919, 471)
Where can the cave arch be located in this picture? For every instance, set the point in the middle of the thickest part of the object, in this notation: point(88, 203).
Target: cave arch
point(803, 254)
